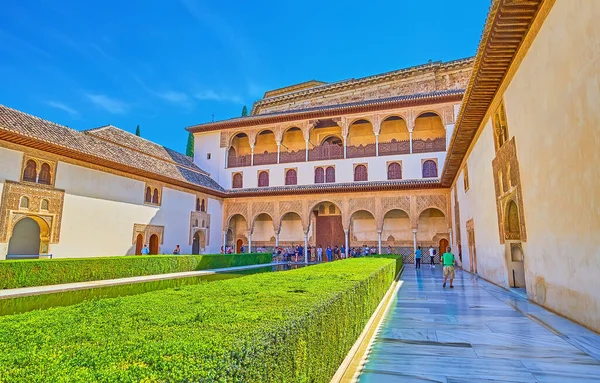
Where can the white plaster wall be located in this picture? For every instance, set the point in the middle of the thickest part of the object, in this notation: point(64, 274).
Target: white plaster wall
point(552, 109)
point(479, 204)
point(205, 143)
point(215, 209)
point(10, 170)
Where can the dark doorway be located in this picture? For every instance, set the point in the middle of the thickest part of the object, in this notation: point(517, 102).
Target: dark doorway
point(139, 243)
point(238, 246)
point(154, 244)
point(328, 228)
point(443, 246)
point(25, 238)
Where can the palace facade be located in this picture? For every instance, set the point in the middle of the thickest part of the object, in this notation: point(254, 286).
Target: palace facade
point(494, 155)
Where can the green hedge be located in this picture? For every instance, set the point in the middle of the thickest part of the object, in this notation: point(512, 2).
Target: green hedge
point(26, 273)
point(294, 326)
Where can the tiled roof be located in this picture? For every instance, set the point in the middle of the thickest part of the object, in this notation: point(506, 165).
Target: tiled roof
point(337, 187)
point(337, 108)
point(101, 147)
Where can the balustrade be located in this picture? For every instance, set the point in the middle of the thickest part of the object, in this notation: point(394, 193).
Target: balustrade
point(293, 156)
point(429, 145)
point(265, 158)
point(326, 152)
point(234, 161)
point(394, 147)
point(368, 150)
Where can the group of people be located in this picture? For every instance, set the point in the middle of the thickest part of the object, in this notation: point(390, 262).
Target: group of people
point(295, 253)
point(447, 260)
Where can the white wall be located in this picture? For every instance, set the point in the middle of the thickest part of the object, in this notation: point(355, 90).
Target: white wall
point(10, 169)
point(205, 143)
point(215, 209)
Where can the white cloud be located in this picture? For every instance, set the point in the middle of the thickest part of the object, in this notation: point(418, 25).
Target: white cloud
point(173, 96)
point(212, 95)
point(111, 105)
point(64, 107)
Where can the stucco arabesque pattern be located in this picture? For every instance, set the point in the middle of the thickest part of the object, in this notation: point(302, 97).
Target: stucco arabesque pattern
point(197, 218)
point(11, 212)
point(147, 231)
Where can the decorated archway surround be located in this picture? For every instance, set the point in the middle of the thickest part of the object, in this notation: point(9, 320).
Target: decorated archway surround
point(413, 202)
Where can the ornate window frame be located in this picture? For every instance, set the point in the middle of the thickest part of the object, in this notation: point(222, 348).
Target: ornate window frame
point(387, 169)
point(437, 166)
point(153, 188)
point(241, 174)
point(285, 171)
point(258, 173)
point(354, 166)
point(39, 161)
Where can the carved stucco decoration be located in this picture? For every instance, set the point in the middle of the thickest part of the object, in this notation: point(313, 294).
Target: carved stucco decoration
point(196, 220)
point(356, 204)
point(225, 138)
point(11, 212)
point(432, 201)
point(147, 231)
point(508, 188)
point(400, 203)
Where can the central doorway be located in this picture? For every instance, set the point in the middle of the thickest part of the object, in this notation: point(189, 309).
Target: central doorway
point(153, 244)
point(25, 238)
point(443, 246)
point(238, 246)
point(329, 230)
point(139, 243)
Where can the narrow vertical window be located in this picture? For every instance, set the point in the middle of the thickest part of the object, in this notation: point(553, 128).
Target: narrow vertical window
point(30, 172)
point(155, 196)
point(263, 179)
point(319, 175)
point(429, 169)
point(202, 206)
point(291, 177)
point(45, 177)
point(394, 171)
point(330, 174)
point(360, 173)
point(237, 181)
point(148, 197)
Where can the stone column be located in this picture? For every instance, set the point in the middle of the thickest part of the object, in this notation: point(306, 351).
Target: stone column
point(345, 141)
point(276, 239)
point(410, 140)
point(306, 150)
point(278, 151)
point(306, 247)
point(249, 243)
point(224, 240)
point(450, 234)
point(415, 240)
point(377, 145)
point(379, 241)
point(252, 156)
point(347, 244)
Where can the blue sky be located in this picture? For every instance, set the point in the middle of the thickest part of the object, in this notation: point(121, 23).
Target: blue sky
point(166, 65)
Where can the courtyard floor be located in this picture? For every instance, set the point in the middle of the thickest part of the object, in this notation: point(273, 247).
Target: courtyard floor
point(476, 332)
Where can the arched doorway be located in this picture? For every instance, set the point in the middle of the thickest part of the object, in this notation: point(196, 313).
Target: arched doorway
point(328, 227)
point(196, 244)
point(139, 243)
point(238, 246)
point(25, 238)
point(443, 246)
point(154, 244)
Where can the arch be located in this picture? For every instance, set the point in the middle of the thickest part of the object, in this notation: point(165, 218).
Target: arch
point(291, 228)
point(265, 147)
point(363, 228)
point(234, 217)
point(148, 196)
point(25, 239)
point(396, 223)
point(153, 244)
point(361, 173)
point(430, 169)
point(330, 174)
point(263, 178)
point(319, 175)
point(513, 226)
point(155, 196)
point(429, 113)
point(431, 210)
point(45, 177)
point(360, 132)
point(238, 134)
point(292, 139)
point(257, 215)
point(203, 223)
point(263, 228)
point(203, 205)
point(24, 202)
point(30, 171)
point(199, 242)
point(430, 224)
point(238, 181)
point(139, 243)
point(428, 125)
point(332, 139)
point(291, 177)
point(44, 204)
point(394, 171)
point(393, 116)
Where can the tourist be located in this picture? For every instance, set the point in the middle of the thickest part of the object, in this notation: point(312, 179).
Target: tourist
point(222, 252)
point(300, 252)
point(145, 250)
point(389, 249)
point(448, 262)
point(373, 250)
point(320, 254)
point(343, 251)
point(177, 250)
point(366, 250)
point(336, 253)
point(329, 253)
point(432, 257)
point(242, 249)
point(418, 254)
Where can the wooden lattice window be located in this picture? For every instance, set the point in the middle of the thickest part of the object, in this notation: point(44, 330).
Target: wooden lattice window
point(330, 174)
point(155, 197)
point(466, 178)
point(500, 127)
point(45, 177)
point(430, 169)
point(319, 175)
point(291, 177)
point(30, 172)
point(394, 171)
point(237, 181)
point(332, 209)
point(197, 204)
point(148, 196)
point(202, 205)
point(360, 173)
point(263, 179)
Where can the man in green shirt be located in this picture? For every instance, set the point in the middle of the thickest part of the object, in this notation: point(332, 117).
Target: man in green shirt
point(448, 261)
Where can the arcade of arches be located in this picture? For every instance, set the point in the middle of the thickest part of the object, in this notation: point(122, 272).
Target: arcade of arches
point(399, 219)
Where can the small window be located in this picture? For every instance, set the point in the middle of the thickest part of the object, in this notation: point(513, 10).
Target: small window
point(155, 197)
point(331, 209)
point(466, 178)
point(394, 171)
point(319, 175)
point(30, 172)
point(24, 203)
point(45, 177)
point(202, 206)
point(202, 223)
point(44, 204)
point(429, 169)
point(148, 197)
point(330, 174)
point(263, 179)
point(322, 209)
point(237, 181)
point(197, 204)
point(360, 173)
point(291, 177)
point(196, 223)
point(208, 156)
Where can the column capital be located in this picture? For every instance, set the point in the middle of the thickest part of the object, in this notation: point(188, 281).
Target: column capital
point(414, 231)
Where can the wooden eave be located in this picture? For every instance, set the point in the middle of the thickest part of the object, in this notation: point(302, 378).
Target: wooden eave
point(507, 25)
point(370, 106)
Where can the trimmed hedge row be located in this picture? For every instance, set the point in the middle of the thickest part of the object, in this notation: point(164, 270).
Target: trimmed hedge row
point(26, 273)
point(294, 326)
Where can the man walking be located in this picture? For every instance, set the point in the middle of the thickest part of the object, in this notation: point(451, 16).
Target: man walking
point(145, 250)
point(432, 257)
point(448, 262)
point(329, 253)
point(418, 254)
point(320, 254)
